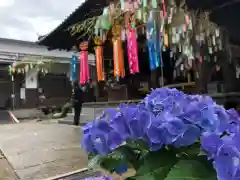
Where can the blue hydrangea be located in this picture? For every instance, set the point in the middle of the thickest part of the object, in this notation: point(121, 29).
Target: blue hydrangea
point(170, 117)
point(224, 149)
point(225, 153)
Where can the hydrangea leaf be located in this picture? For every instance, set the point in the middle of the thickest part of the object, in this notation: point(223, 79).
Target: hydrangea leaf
point(156, 165)
point(138, 145)
point(189, 151)
point(191, 169)
point(113, 160)
point(94, 162)
point(121, 157)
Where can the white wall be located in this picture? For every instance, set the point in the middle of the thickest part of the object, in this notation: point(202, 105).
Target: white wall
point(10, 47)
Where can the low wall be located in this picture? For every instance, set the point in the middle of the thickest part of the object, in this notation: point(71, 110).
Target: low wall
point(94, 109)
point(220, 98)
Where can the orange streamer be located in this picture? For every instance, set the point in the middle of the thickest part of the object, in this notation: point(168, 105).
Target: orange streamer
point(99, 63)
point(166, 40)
point(119, 70)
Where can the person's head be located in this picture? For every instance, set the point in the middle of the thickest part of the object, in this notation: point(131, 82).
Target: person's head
point(75, 84)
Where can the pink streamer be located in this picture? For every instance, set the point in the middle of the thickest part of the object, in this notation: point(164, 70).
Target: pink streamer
point(164, 8)
point(84, 68)
point(132, 51)
point(131, 5)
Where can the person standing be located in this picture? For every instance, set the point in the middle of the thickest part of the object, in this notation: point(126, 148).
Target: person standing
point(91, 93)
point(77, 102)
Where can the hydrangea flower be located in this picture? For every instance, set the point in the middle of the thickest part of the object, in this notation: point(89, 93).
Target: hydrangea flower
point(225, 153)
point(165, 117)
point(170, 117)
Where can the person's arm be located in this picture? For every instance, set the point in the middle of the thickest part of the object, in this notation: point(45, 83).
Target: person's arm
point(74, 96)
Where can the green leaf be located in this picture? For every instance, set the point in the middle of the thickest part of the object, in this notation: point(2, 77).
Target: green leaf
point(94, 162)
point(137, 145)
point(114, 160)
point(137, 150)
point(191, 170)
point(190, 151)
point(156, 165)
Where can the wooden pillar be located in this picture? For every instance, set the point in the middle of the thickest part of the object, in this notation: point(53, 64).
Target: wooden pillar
point(154, 79)
point(227, 64)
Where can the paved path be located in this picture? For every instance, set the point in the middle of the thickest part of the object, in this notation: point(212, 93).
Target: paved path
point(6, 171)
point(37, 151)
point(87, 115)
point(5, 117)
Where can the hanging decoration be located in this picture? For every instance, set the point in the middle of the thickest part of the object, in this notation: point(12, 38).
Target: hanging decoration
point(119, 70)
point(26, 68)
point(73, 67)
point(208, 33)
point(153, 38)
point(37, 63)
point(105, 23)
point(84, 68)
point(132, 51)
point(10, 70)
point(167, 25)
point(99, 58)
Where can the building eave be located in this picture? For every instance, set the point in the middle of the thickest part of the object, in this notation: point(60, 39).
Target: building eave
point(87, 9)
point(60, 38)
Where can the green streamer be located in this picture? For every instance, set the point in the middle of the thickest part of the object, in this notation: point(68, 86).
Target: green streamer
point(154, 4)
point(145, 3)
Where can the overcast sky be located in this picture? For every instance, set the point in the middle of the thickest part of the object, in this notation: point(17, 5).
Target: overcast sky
point(26, 19)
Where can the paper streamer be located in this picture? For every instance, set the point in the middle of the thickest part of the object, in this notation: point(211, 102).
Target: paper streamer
point(84, 68)
point(154, 47)
point(118, 59)
point(119, 70)
point(99, 63)
point(164, 9)
point(166, 43)
point(122, 5)
point(145, 3)
point(73, 67)
point(132, 51)
point(99, 58)
point(154, 4)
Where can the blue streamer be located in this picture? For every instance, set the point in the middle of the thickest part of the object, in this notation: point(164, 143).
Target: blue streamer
point(73, 65)
point(154, 46)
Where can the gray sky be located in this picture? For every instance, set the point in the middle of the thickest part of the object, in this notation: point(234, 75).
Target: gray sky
point(26, 19)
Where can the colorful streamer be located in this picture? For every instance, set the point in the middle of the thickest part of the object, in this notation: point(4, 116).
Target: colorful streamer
point(73, 67)
point(164, 9)
point(119, 70)
point(154, 46)
point(99, 59)
point(132, 51)
point(122, 5)
point(84, 68)
point(154, 4)
point(145, 3)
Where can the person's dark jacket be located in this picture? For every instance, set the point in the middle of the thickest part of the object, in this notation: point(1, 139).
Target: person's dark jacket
point(78, 96)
